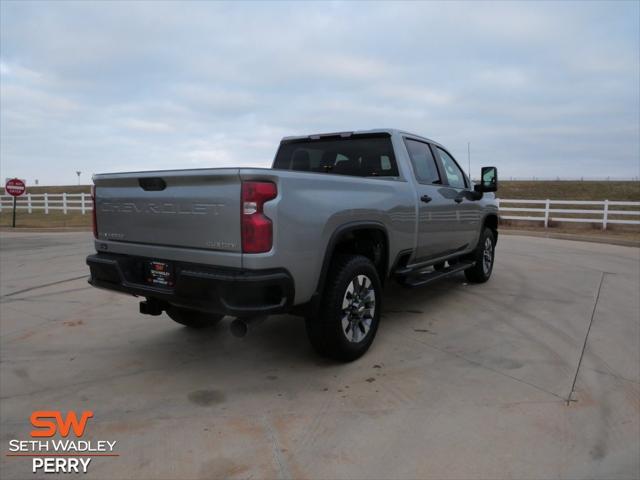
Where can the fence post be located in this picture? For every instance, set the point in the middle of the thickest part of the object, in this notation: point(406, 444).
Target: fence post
point(64, 203)
point(29, 208)
point(605, 214)
point(46, 203)
point(1, 202)
point(546, 213)
point(82, 202)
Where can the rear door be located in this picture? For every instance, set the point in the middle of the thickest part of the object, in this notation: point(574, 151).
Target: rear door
point(436, 217)
point(195, 209)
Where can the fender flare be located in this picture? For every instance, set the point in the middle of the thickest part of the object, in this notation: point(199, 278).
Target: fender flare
point(497, 221)
point(333, 242)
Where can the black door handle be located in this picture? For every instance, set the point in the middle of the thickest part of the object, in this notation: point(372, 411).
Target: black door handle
point(458, 199)
point(426, 198)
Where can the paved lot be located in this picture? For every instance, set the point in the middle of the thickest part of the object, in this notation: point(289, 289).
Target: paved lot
point(463, 381)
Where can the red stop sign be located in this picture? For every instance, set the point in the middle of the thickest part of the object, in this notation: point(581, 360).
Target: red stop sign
point(15, 187)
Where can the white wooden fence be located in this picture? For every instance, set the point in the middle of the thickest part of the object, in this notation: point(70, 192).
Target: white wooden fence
point(66, 202)
point(604, 212)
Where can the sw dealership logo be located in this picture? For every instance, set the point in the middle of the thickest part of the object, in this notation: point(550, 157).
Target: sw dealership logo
point(60, 455)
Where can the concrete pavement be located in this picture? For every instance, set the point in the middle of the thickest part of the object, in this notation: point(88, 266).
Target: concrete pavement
point(526, 376)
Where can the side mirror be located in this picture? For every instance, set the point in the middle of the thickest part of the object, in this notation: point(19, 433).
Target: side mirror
point(488, 180)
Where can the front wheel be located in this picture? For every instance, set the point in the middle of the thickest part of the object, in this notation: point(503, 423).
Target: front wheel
point(193, 318)
point(348, 319)
point(484, 256)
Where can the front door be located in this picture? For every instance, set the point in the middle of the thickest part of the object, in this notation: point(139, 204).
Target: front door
point(437, 220)
point(461, 201)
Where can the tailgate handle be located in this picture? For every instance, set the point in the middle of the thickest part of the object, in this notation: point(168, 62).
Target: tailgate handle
point(152, 184)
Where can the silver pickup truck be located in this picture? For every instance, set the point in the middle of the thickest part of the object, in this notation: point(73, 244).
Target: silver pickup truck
point(316, 235)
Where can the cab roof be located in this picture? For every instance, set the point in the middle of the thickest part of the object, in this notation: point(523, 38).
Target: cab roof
point(346, 134)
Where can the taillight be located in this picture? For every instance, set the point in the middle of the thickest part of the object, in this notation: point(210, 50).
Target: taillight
point(257, 230)
point(93, 211)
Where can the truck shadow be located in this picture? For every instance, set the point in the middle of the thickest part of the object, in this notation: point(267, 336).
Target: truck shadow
point(281, 341)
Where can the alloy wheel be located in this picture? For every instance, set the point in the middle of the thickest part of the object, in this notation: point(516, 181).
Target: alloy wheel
point(358, 308)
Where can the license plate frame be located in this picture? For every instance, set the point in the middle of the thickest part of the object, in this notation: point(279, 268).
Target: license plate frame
point(159, 274)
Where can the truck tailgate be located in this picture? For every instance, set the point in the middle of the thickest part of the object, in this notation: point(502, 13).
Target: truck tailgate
point(179, 208)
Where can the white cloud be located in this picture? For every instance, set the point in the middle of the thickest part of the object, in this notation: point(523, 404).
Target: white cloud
point(503, 77)
point(215, 98)
point(147, 126)
point(37, 101)
point(13, 72)
point(412, 94)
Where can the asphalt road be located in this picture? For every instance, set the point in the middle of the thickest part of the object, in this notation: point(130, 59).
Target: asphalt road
point(463, 381)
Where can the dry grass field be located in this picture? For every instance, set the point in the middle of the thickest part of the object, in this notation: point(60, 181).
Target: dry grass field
point(570, 190)
point(574, 190)
point(37, 219)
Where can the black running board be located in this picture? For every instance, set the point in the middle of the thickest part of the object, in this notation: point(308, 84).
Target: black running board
point(423, 278)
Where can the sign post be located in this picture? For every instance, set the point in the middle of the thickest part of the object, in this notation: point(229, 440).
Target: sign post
point(15, 187)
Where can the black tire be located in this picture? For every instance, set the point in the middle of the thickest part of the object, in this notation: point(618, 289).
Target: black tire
point(484, 256)
point(193, 318)
point(355, 274)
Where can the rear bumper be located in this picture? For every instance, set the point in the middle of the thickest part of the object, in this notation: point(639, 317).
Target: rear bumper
point(228, 291)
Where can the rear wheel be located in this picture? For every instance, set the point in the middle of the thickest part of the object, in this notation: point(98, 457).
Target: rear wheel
point(348, 319)
point(484, 256)
point(193, 318)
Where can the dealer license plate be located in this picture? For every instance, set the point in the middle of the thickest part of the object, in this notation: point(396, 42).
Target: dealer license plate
point(160, 274)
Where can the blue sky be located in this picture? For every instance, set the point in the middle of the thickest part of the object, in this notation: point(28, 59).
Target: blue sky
point(539, 89)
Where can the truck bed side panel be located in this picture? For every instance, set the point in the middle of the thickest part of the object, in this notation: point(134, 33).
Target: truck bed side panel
point(311, 206)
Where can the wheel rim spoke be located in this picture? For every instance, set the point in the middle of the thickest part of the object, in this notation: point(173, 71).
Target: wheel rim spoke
point(362, 328)
point(348, 297)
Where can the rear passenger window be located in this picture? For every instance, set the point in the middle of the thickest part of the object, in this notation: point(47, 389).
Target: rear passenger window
point(454, 174)
point(363, 156)
point(424, 165)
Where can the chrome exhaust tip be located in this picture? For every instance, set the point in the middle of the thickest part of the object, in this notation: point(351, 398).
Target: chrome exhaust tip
point(240, 326)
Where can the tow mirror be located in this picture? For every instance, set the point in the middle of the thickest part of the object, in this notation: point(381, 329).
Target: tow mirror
point(488, 180)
